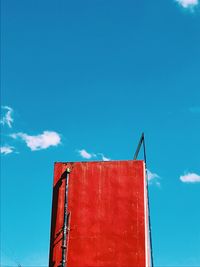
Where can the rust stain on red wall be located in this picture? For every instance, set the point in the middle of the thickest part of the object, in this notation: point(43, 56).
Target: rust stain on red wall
point(108, 215)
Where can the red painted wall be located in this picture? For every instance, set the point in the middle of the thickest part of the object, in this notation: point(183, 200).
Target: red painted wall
point(108, 215)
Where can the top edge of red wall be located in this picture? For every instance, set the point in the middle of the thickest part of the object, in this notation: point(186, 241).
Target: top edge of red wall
point(96, 161)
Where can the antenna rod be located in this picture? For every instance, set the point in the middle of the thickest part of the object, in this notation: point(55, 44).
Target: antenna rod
point(142, 142)
point(139, 146)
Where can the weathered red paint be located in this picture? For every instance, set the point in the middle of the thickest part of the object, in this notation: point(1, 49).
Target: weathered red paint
point(108, 215)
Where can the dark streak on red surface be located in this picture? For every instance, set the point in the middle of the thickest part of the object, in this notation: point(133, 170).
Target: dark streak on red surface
point(107, 216)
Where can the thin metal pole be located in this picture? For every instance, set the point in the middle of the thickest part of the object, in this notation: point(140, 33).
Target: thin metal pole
point(142, 142)
point(149, 217)
point(64, 241)
point(148, 203)
point(144, 149)
point(139, 146)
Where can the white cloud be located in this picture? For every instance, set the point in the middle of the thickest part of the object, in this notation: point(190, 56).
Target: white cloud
point(6, 150)
point(190, 178)
point(40, 141)
point(86, 155)
point(7, 118)
point(188, 3)
point(153, 178)
point(104, 158)
point(152, 175)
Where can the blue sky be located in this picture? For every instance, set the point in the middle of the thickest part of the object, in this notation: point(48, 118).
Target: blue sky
point(81, 80)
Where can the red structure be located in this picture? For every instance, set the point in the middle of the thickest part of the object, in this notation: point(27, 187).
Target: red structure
point(107, 215)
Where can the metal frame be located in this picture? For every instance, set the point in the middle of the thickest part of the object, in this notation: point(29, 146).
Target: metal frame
point(66, 220)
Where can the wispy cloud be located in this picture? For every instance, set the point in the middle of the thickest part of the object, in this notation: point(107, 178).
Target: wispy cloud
point(104, 158)
point(85, 154)
point(40, 141)
point(153, 178)
point(88, 155)
point(188, 3)
point(152, 175)
point(190, 178)
point(7, 118)
point(195, 110)
point(6, 150)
